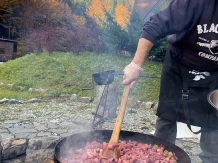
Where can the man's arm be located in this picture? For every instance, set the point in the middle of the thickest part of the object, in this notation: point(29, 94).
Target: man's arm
point(143, 49)
point(176, 18)
point(132, 71)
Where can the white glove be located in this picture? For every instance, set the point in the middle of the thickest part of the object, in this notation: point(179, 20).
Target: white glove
point(131, 74)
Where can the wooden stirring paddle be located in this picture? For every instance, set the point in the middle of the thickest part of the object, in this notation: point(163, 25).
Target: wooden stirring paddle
point(115, 152)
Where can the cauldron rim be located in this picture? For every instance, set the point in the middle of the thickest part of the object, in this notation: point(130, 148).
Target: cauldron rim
point(104, 77)
point(102, 72)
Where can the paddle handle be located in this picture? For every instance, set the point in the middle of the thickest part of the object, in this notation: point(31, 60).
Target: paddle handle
point(119, 120)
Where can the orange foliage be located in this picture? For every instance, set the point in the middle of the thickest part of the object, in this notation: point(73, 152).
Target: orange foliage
point(96, 9)
point(122, 16)
point(106, 5)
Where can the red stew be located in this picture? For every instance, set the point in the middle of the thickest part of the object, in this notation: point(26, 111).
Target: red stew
point(131, 152)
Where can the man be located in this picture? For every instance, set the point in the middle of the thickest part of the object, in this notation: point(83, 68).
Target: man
point(189, 72)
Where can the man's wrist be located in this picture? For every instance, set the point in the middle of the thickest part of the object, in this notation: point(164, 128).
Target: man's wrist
point(136, 66)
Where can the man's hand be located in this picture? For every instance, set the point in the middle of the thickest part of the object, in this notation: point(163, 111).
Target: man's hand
point(131, 75)
point(133, 70)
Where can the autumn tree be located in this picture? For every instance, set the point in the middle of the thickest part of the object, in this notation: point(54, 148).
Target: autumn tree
point(36, 13)
point(6, 15)
point(42, 39)
point(71, 32)
point(44, 16)
point(97, 10)
point(83, 37)
point(112, 35)
point(118, 39)
point(75, 28)
point(122, 16)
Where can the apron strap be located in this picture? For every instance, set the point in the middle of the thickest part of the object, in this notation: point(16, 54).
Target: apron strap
point(185, 97)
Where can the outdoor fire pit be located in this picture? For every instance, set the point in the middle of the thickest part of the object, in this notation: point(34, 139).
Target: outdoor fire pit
point(79, 140)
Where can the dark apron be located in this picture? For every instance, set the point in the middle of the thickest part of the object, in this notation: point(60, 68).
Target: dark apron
point(184, 100)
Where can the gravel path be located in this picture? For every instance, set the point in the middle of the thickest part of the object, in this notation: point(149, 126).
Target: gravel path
point(63, 118)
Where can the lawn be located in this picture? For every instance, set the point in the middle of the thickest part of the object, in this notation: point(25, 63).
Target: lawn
point(69, 73)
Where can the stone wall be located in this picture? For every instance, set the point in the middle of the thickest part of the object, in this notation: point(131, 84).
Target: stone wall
point(28, 150)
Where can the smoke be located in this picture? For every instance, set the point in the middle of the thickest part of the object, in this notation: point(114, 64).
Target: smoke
point(79, 140)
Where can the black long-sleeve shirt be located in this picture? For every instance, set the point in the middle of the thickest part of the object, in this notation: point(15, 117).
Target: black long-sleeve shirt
point(192, 30)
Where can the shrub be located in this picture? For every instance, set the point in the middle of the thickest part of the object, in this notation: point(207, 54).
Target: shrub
point(118, 39)
point(41, 39)
point(159, 50)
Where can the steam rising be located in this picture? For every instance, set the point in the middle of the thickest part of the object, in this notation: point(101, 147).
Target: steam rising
point(79, 140)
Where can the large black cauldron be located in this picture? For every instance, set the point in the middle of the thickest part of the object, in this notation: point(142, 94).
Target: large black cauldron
point(79, 141)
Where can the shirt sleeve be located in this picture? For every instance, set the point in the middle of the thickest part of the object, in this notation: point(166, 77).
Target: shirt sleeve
point(177, 17)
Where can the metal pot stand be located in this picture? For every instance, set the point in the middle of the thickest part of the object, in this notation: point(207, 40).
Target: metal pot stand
point(103, 78)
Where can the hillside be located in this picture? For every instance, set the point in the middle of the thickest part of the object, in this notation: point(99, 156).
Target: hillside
point(68, 73)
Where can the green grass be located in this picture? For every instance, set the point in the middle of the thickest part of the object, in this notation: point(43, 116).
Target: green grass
point(69, 73)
